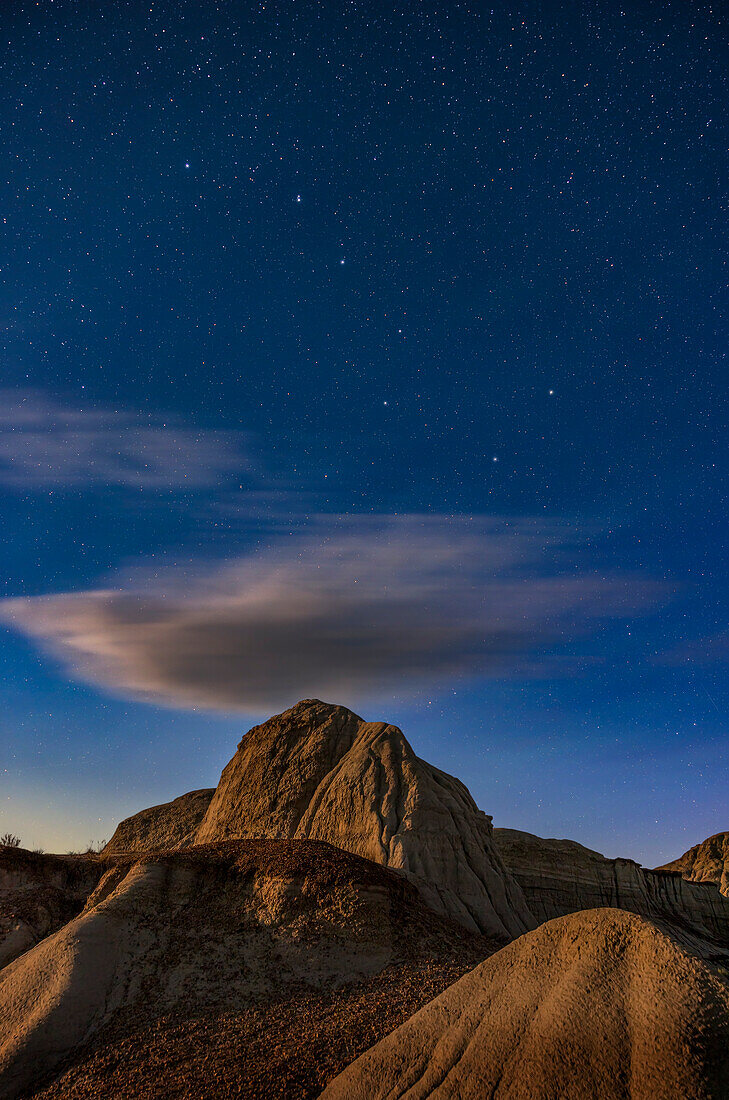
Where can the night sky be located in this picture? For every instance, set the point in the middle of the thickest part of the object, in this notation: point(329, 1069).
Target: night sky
point(374, 353)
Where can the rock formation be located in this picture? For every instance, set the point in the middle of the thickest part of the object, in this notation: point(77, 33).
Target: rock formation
point(320, 772)
point(38, 894)
point(212, 948)
point(561, 876)
point(170, 825)
point(706, 862)
point(596, 1004)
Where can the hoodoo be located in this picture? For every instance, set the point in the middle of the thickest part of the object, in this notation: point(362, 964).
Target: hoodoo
point(320, 772)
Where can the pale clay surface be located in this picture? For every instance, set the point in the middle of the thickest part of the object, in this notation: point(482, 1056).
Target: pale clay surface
point(174, 933)
point(598, 1005)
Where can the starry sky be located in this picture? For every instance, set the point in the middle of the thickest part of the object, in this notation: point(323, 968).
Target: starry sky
point(374, 353)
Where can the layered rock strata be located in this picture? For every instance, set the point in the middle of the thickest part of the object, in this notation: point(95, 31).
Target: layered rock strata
point(561, 876)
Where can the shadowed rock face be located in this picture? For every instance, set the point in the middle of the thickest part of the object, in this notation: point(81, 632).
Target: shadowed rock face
point(561, 876)
point(171, 825)
point(216, 934)
point(706, 862)
point(38, 894)
point(596, 1004)
point(320, 772)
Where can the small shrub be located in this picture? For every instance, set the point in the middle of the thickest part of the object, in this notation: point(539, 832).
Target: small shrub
point(9, 840)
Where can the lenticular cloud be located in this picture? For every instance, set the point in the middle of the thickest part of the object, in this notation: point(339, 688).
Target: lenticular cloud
point(355, 609)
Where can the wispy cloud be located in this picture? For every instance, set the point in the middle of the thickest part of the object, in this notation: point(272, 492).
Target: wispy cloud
point(46, 444)
point(358, 608)
point(707, 652)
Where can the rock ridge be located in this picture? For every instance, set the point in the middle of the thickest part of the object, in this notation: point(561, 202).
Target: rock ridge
point(169, 825)
point(561, 876)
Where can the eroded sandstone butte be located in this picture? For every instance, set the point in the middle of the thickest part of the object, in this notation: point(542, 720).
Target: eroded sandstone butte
point(319, 772)
point(598, 1004)
point(705, 862)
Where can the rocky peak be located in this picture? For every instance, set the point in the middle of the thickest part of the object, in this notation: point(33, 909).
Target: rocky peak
point(170, 825)
point(705, 862)
point(267, 786)
point(320, 772)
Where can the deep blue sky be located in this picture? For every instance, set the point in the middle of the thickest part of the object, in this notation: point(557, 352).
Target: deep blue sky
point(271, 269)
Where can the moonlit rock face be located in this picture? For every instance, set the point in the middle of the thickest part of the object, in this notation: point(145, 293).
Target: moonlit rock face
point(596, 1004)
point(705, 862)
point(320, 772)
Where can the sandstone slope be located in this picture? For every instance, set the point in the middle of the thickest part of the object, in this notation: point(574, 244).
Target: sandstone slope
point(170, 825)
point(561, 876)
point(318, 771)
point(598, 1005)
point(181, 962)
point(705, 862)
point(38, 894)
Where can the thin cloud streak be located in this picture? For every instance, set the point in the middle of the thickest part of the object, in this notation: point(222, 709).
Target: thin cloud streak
point(711, 651)
point(360, 608)
point(45, 444)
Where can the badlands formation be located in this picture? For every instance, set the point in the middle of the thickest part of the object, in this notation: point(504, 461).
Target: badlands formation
point(256, 940)
point(251, 968)
point(171, 825)
point(318, 772)
point(561, 876)
point(600, 1004)
point(706, 862)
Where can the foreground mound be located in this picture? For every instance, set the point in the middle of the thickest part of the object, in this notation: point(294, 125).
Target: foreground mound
point(599, 1005)
point(181, 961)
point(39, 894)
point(561, 876)
point(320, 772)
point(171, 825)
point(705, 862)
